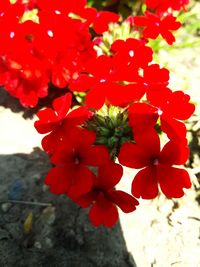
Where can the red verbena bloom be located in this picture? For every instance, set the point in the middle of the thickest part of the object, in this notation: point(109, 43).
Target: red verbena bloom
point(65, 58)
point(40, 52)
point(154, 25)
point(74, 155)
point(59, 120)
point(152, 78)
point(105, 199)
point(102, 20)
point(99, 82)
point(162, 6)
point(129, 52)
point(115, 79)
point(157, 166)
point(171, 107)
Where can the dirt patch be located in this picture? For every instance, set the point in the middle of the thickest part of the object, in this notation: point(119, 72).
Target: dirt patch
point(59, 233)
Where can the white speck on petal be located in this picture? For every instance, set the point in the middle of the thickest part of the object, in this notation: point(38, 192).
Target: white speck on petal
point(160, 112)
point(155, 162)
point(50, 33)
point(57, 12)
point(131, 53)
point(12, 35)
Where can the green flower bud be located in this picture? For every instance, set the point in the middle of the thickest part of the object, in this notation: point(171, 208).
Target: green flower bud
point(112, 141)
point(104, 131)
point(101, 140)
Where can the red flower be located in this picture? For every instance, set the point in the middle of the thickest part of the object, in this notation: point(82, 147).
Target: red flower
point(129, 52)
point(105, 199)
point(157, 166)
point(163, 5)
point(154, 26)
point(73, 157)
point(106, 81)
point(62, 7)
point(152, 78)
point(25, 80)
point(102, 20)
point(59, 121)
point(170, 106)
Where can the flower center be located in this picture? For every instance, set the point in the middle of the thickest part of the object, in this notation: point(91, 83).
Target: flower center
point(102, 81)
point(131, 53)
point(160, 112)
point(155, 162)
point(77, 159)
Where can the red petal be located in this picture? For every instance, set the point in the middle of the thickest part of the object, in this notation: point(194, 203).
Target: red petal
point(132, 156)
point(174, 153)
point(159, 96)
point(151, 32)
point(96, 156)
point(109, 175)
point(124, 201)
point(95, 98)
point(100, 66)
point(102, 20)
point(122, 95)
point(85, 200)
point(51, 141)
point(156, 76)
point(173, 180)
point(63, 154)
point(81, 139)
point(47, 121)
point(140, 20)
point(142, 117)
point(179, 106)
point(169, 22)
point(62, 105)
point(149, 142)
point(59, 180)
point(81, 183)
point(84, 138)
point(78, 116)
point(168, 36)
point(103, 212)
point(174, 129)
point(145, 184)
point(82, 84)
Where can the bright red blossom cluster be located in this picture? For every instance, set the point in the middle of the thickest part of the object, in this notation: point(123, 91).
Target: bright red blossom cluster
point(52, 49)
point(84, 142)
point(161, 6)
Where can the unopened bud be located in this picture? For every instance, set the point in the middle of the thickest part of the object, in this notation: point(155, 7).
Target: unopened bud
point(112, 141)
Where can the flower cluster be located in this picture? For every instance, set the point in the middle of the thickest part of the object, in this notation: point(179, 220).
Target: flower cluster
point(52, 47)
point(162, 6)
point(127, 104)
point(160, 20)
point(83, 169)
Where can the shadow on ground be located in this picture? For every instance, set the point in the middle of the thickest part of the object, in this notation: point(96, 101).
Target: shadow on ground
point(61, 234)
